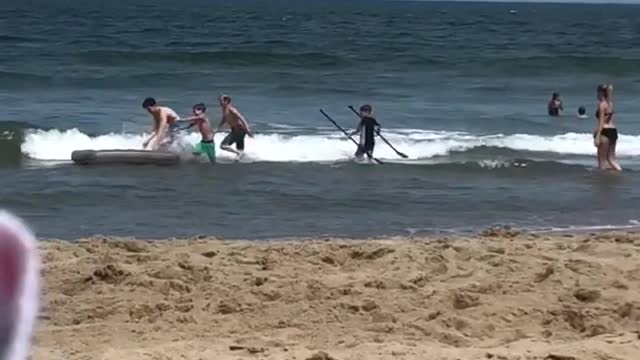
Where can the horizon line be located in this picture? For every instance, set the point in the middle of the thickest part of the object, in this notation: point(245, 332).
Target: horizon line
point(565, 2)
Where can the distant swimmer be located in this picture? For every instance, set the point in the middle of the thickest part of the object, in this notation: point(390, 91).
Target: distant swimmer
point(367, 137)
point(206, 145)
point(582, 112)
point(165, 127)
point(238, 125)
point(19, 287)
point(605, 137)
point(555, 105)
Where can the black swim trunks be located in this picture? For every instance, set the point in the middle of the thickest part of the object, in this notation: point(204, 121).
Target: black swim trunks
point(236, 136)
point(611, 133)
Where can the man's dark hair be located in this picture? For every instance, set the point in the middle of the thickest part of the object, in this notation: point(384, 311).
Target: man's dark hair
point(225, 99)
point(149, 102)
point(200, 107)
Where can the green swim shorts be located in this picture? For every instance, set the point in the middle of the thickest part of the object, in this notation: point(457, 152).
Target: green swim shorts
point(208, 148)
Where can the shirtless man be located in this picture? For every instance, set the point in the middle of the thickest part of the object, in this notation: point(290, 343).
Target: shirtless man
point(164, 121)
point(237, 123)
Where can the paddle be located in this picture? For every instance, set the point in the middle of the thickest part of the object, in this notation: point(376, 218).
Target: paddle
point(401, 154)
point(347, 134)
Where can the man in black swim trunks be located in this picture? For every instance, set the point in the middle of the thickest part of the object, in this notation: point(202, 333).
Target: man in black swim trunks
point(367, 137)
point(237, 123)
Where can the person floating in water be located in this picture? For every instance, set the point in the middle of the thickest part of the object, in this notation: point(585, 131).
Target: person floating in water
point(582, 112)
point(19, 287)
point(555, 105)
point(206, 145)
point(238, 125)
point(367, 137)
point(605, 137)
point(165, 127)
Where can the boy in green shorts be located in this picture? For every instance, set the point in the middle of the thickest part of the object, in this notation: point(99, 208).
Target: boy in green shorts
point(199, 119)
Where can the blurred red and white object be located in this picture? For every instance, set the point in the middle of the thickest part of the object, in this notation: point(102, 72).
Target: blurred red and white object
point(19, 287)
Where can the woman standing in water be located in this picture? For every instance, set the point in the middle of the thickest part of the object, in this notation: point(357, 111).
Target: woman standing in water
point(605, 138)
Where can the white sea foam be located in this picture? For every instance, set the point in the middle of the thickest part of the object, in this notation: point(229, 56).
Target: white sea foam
point(418, 144)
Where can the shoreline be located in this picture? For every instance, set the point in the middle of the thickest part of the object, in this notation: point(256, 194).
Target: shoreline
point(422, 234)
point(499, 294)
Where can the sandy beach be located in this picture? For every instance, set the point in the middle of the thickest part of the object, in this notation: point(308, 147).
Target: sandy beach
point(497, 295)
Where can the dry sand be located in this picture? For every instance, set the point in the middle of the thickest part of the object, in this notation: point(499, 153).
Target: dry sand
point(499, 295)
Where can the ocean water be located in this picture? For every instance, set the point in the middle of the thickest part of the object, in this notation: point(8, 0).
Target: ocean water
point(459, 87)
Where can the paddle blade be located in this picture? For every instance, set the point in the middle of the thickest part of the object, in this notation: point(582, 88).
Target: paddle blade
point(354, 110)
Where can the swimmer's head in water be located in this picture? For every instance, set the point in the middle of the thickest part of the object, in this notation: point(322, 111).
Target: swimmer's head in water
point(149, 104)
point(225, 100)
point(582, 110)
point(199, 108)
point(366, 109)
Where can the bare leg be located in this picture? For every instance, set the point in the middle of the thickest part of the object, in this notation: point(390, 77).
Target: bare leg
point(611, 157)
point(230, 149)
point(603, 150)
point(165, 144)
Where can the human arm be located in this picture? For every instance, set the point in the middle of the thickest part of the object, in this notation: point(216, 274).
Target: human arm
point(152, 136)
point(189, 119)
point(146, 142)
point(602, 111)
point(221, 124)
point(357, 130)
point(193, 121)
point(162, 129)
point(377, 126)
point(243, 122)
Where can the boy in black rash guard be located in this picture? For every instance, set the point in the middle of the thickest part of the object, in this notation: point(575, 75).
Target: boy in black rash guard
point(367, 137)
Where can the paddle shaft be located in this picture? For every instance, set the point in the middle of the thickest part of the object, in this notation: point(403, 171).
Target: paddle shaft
point(347, 134)
point(401, 154)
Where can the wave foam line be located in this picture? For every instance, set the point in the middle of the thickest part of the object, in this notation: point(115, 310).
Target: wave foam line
point(418, 144)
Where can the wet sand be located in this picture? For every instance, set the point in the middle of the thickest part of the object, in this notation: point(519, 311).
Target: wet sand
point(497, 295)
